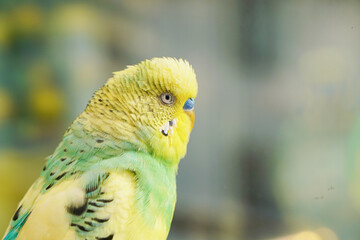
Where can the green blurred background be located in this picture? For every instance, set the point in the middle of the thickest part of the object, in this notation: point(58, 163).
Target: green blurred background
point(275, 149)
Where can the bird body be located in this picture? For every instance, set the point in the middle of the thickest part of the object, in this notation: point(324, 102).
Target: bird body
point(113, 176)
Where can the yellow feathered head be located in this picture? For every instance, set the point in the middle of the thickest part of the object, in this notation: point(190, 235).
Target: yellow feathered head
point(148, 105)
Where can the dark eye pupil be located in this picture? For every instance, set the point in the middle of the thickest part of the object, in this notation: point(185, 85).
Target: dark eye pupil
point(167, 98)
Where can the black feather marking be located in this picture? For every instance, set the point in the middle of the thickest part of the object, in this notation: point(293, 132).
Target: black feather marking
point(77, 210)
point(49, 186)
point(99, 140)
point(95, 204)
point(65, 149)
point(90, 211)
point(62, 159)
point(70, 162)
point(94, 186)
point(44, 168)
point(91, 188)
point(105, 200)
point(52, 173)
point(89, 223)
point(16, 215)
point(100, 220)
point(60, 176)
point(82, 228)
point(106, 238)
point(82, 151)
point(106, 175)
point(164, 133)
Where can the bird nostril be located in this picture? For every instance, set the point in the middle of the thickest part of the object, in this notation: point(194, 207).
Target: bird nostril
point(189, 104)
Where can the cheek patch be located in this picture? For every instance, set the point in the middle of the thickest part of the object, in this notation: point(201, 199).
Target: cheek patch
point(168, 127)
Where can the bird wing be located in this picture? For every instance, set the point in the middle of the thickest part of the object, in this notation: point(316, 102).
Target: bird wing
point(78, 208)
point(23, 211)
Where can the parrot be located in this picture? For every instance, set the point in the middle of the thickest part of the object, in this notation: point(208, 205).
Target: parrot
point(113, 175)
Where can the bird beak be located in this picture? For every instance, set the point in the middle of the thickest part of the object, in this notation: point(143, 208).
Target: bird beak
point(191, 114)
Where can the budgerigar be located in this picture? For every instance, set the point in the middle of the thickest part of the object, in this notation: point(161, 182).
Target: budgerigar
point(113, 176)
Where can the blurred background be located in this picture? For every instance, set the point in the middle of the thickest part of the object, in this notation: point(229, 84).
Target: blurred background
point(275, 149)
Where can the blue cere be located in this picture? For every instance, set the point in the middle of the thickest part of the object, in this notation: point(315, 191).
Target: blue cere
point(189, 104)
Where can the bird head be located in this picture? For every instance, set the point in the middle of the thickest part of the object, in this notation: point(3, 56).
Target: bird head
point(149, 106)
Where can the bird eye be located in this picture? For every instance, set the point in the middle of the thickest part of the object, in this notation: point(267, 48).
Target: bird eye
point(167, 98)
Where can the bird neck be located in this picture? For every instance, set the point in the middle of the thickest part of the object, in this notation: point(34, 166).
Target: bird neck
point(120, 134)
point(115, 137)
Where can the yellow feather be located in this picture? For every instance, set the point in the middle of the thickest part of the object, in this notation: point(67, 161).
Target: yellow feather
point(49, 221)
point(126, 221)
point(48, 218)
point(127, 108)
